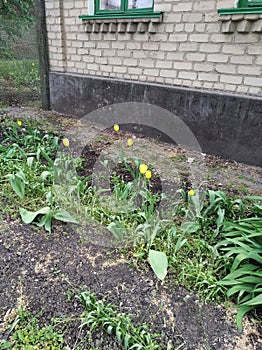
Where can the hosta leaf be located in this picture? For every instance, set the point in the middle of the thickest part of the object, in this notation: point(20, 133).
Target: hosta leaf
point(136, 346)
point(158, 263)
point(49, 197)
point(21, 176)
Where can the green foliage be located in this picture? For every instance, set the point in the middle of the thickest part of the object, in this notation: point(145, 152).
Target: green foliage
point(20, 14)
point(26, 141)
point(25, 159)
point(210, 212)
point(99, 314)
point(209, 241)
point(242, 245)
point(44, 216)
point(20, 73)
point(158, 263)
point(17, 182)
point(25, 334)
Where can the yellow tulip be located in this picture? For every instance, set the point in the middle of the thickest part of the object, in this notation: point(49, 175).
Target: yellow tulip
point(142, 168)
point(148, 174)
point(191, 192)
point(130, 142)
point(65, 142)
point(116, 127)
point(19, 123)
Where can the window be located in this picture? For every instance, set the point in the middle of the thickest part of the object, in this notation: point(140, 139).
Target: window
point(249, 3)
point(121, 9)
point(121, 16)
point(123, 6)
point(102, 9)
point(244, 6)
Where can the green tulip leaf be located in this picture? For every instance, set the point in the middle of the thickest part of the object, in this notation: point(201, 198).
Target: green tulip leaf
point(29, 216)
point(158, 263)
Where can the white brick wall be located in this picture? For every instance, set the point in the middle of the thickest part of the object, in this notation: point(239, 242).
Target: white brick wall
point(188, 49)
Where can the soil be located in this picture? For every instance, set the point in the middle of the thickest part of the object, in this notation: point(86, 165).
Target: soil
point(44, 273)
point(18, 96)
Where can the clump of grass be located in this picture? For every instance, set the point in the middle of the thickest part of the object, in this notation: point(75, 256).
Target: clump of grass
point(98, 314)
point(21, 73)
point(25, 333)
point(242, 246)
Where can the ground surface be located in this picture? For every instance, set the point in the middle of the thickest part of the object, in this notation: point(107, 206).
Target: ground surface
point(17, 96)
point(43, 272)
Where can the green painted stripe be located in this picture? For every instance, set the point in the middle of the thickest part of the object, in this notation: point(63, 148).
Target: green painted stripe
point(239, 10)
point(121, 15)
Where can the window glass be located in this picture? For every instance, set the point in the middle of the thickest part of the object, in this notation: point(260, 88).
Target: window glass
point(249, 3)
point(254, 2)
point(140, 4)
point(110, 4)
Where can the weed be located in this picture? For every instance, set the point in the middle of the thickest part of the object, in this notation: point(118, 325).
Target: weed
point(179, 158)
point(99, 314)
point(25, 333)
point(21, 73)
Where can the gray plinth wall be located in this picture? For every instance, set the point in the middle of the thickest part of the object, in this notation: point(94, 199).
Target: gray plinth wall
point(227, 125)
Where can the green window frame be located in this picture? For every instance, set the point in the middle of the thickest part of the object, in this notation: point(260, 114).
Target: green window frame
point(249, 3)
point(124, 10)
point(124, 7)
point(244, 7)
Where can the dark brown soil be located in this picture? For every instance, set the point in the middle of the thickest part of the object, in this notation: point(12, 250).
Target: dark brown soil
point(38, 271)
point(44, 272)
point(13, 96)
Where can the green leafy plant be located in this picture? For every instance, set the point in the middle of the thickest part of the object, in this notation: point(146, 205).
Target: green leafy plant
point(158, 262)
point(200, 273)
point(21, 74)
point(243, 248)
point(210, 209)
point(99, 314)
point(44, 216)
point(18, 12)
point(18, 182)
point(25, 333)
point(31, 140)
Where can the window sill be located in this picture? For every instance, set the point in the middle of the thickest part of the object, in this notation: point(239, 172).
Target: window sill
point(240, 10)
point(128, 23)
point(241, 23)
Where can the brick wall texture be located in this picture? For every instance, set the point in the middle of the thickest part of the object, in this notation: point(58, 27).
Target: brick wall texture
point(188, 49)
